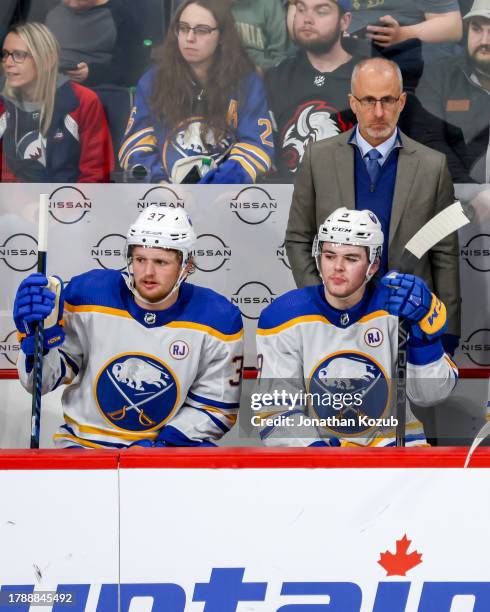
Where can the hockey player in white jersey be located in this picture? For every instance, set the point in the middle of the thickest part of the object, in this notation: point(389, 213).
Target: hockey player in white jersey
point(147, 358)
point(333, 347)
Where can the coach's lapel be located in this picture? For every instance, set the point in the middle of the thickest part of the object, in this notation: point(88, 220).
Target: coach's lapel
point(405, 180)
point(344, 168)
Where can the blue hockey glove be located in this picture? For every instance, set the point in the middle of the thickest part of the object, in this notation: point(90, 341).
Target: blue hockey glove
point(38, 299)
point(327, 442)
point(410, 298)
point(226, 173)
point(145, 443)
point(159, 443)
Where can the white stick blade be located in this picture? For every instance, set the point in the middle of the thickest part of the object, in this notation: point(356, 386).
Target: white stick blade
point(446, 222)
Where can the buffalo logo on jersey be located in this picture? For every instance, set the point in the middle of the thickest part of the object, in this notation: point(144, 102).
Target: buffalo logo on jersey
point(349, 389)
point(313, 121)
point(190, 140)
point(136, 392)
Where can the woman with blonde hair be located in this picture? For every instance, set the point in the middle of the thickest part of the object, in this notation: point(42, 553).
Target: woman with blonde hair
point(51, 129)
point(201, 113)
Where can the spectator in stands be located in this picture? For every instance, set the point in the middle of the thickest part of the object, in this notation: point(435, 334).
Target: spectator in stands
point(457, 93)
point(261, 25)
point(203, 108)
point(262, 28)
point(100, 42)
point(398, 28)
point(51, 129)
point(308, 93)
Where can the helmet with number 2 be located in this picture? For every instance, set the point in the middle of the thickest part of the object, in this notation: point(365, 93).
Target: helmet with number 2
point(161, 227)
point(356, 227)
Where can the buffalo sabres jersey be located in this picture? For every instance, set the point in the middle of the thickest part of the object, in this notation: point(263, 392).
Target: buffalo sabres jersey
point(162, 149)
point(315, 107)
point(133, 373)
point(332, 371)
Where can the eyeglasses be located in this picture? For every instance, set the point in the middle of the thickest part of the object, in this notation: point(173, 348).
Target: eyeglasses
point(370, 102)
point(19, 57)
point(199, 30)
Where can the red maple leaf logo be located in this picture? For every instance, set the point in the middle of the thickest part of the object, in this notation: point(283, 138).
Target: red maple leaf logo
point(400, 563)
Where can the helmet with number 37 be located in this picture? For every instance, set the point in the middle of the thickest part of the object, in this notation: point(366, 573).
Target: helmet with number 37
point(161, 227)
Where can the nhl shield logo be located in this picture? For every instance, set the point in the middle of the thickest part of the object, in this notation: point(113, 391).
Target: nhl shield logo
point(349, 386)
point(136, 392)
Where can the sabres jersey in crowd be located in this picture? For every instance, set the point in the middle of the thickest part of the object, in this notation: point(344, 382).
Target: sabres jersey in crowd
point(316, 107)
point(133, 373)
point(343, 363)
point(160, 150)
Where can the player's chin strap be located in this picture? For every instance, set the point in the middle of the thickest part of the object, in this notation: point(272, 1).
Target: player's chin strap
point(129, 280)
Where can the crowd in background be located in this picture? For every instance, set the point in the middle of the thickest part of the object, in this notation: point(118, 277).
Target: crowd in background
point(236, 90)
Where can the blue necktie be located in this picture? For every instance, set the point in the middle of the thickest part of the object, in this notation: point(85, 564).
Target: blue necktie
point(372, 165)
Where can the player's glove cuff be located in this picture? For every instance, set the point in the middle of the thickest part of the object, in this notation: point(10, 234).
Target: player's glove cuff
point(434, 324)
point(53, 336)
point(423, 351)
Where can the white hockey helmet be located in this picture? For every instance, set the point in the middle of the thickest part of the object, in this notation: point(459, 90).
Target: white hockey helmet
point(161, 227)
point(356, 227)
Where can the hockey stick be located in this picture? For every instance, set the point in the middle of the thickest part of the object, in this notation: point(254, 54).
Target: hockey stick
point(449, 220)
point(42, 248)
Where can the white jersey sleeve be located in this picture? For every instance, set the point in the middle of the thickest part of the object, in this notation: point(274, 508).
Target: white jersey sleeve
point(61, 365)
point(212, 402)
point(431, 374)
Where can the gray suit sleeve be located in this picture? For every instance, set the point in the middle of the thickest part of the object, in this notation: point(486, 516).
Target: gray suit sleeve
point(444, 258)
point(301, 228)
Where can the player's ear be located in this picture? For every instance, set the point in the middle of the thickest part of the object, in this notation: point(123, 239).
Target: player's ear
point(375, 266)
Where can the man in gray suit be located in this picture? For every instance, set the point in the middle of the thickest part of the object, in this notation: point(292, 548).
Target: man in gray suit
point(374, 166)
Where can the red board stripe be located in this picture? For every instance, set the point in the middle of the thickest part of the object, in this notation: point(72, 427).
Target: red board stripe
point(251, 373)
point(238, 458)
point(267, 458)
point(52, 459)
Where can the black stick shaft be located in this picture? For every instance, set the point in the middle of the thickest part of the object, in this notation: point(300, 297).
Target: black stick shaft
point(407, 265)
point(38, 367)
point(401, 384)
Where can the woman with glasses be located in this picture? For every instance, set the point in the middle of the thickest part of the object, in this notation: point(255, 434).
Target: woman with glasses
point(51, 129)
point(200, 114)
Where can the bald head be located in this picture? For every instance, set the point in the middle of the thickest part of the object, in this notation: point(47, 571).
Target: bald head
point(377, 98)
point(374, 67)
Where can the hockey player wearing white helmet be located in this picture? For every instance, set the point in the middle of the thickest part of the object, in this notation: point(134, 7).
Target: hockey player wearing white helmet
point(334, 346)
point(157, 255)
point(147, 358)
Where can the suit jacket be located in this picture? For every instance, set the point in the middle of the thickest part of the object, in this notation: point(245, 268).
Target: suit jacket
point(423, 188)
